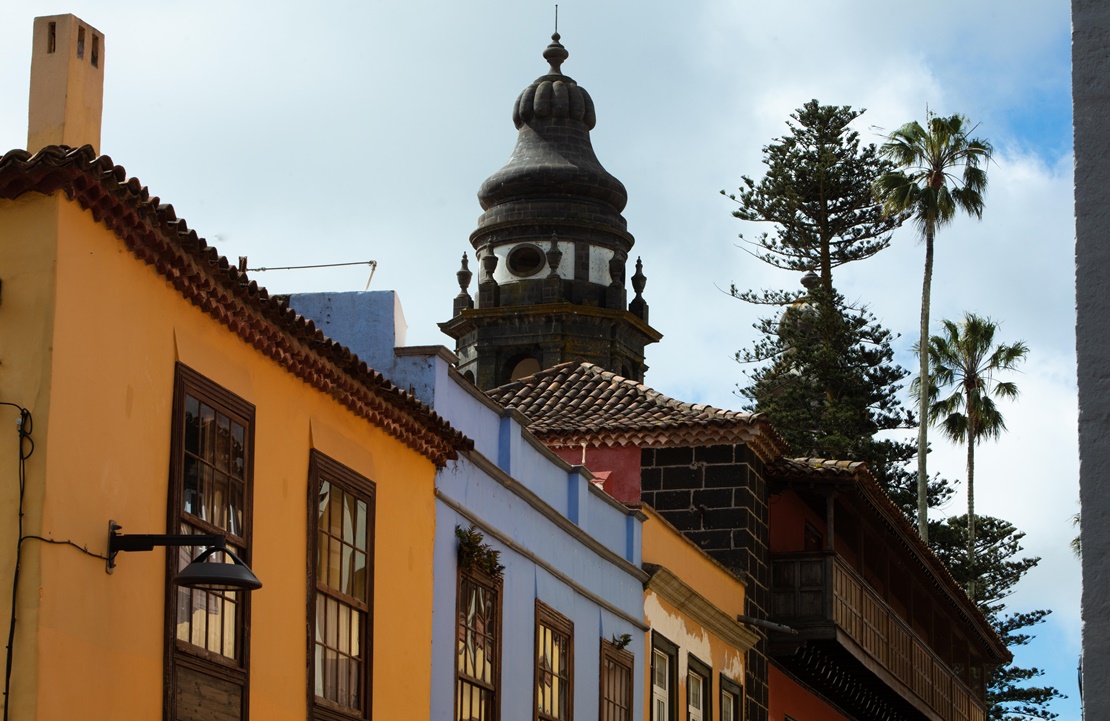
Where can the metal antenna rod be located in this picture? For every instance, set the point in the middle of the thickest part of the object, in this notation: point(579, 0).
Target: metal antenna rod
point(556, 18)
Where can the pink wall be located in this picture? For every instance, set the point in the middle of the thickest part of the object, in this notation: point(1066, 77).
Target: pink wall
point(622, 463)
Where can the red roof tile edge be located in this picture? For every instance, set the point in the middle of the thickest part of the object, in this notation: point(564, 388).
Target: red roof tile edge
point(196, 270)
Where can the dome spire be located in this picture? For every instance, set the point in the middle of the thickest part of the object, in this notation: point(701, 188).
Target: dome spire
point(555, 54)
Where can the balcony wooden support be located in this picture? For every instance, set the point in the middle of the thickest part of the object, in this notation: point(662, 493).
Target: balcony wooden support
point(826, 600)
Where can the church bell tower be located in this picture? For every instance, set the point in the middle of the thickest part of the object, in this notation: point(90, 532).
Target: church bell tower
point(551, 250)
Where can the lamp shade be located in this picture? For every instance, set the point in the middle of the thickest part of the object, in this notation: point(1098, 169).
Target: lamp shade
point(214, 576)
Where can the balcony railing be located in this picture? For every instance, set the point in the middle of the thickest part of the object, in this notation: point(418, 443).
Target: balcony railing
point(822, 588)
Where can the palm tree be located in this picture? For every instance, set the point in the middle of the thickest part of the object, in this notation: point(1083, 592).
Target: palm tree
point(937, 174)
point(966, 360)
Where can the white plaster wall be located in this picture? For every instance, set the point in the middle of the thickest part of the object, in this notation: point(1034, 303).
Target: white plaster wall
point(1091, 98)
point(599, 263)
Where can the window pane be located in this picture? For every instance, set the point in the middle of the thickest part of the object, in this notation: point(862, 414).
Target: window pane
point(360, 527)
point(356, 634)
point(231, 615)
point(344, 629)
point(359, 586)
point(331, 669)
point(192, 425)
point(322, 556)
point(354, 686)
point(235, 518)
point(219, 500)
point(728, 706)
point(184, 605)
point(223, 441)
point(335, 550)
point(336, 526)
point(238, 450)
point(207, 433)
point(349, 518)
point(319, 668)
point(191, 490)
point(345, 570)
point(333, 623)
point(204, 503)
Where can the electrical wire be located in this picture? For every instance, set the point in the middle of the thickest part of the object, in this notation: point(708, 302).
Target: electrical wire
point(26, 447)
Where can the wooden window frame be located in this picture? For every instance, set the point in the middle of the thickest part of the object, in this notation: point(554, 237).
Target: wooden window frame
point(669, 649)
point(494, 584)
point(548, 617)
point(625, 660)
point(321, 468)
point(697, 667)
point(727, 685)
point(179, 654)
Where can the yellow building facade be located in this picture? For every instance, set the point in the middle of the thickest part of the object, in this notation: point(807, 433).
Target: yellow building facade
point(696, 646)
point(160, 388)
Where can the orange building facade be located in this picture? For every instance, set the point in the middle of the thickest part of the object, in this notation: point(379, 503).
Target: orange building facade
point(160, 388)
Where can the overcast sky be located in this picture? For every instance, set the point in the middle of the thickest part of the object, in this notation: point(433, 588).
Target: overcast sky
point(304, 133)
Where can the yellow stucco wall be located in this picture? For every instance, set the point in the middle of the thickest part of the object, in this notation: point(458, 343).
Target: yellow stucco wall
point(103, 452)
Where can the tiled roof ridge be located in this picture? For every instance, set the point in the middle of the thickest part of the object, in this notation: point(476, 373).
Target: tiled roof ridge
point(860, 472)
point(154, 234)
point(692, 422)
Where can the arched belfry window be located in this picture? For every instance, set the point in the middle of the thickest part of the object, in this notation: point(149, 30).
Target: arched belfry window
point(523, 368)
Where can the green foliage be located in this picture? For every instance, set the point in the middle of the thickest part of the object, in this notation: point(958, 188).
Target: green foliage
point(965, 359)
point(827, 380)
point(996, 568)
point(927, 159)
point(817, 195)
point(621, 642)
point(825, 372)
point(475, 553)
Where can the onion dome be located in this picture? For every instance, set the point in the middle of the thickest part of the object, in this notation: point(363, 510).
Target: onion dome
point(553, 172)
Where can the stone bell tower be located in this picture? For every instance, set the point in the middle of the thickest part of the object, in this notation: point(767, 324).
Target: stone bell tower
point(552, 250)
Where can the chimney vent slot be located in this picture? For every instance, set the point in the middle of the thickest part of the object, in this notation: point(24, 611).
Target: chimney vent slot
point(52, 38)
point(94, 56)
point(81, 42)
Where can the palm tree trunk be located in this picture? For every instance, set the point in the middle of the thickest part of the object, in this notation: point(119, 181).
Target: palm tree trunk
point(971, 573)
point(923, 398)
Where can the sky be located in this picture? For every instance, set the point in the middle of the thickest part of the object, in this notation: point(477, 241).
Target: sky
point(328, 132)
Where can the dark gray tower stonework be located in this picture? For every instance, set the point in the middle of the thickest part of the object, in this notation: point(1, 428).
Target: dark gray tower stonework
point(1090, 21)
point(552, 250)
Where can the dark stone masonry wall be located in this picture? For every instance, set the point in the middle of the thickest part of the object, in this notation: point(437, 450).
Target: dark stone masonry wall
point(717, 497)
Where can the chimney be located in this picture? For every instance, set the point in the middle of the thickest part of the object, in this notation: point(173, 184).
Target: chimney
point(67, 84)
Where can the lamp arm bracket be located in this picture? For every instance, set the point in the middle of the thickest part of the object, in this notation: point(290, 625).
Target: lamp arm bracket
point(148, 541)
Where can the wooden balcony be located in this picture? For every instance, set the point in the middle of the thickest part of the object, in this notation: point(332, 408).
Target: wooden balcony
point(823, 598)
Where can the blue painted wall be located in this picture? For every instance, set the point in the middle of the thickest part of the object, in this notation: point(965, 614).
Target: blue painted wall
point(562, 540)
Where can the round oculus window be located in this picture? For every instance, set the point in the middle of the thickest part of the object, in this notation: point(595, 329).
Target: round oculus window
point(526, 260)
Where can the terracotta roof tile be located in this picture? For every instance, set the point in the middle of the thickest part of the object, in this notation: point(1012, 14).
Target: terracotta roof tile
point(858, 474)
point(575, 403)
point(152, 232)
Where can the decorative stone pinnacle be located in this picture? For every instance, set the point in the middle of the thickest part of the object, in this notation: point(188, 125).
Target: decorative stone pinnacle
point(489, 264)
point(639, 280)
point(555, 54)
point(464, 275)
point(810, 280)
point(554, 256)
